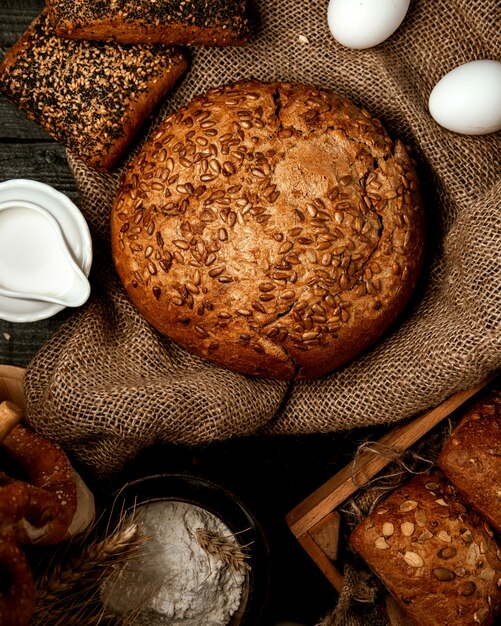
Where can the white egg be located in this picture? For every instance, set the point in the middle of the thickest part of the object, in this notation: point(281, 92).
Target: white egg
point(362, 24)
point(467, 100)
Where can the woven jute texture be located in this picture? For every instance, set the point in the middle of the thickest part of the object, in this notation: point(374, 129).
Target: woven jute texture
point(107, 384)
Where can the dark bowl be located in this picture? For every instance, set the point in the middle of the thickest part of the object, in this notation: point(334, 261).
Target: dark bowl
point(223, 504)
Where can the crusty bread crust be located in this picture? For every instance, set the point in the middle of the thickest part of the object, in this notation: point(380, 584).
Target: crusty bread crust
point(91, 97)
point(471, 458)
point(439, 560)
point(171, 22)
point(274, 229)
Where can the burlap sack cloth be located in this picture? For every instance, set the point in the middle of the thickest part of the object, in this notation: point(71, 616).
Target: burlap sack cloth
point(107, 384)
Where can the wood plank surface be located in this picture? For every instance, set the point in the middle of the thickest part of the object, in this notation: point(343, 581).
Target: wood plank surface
point(15, 16)
point(15, 127)
point(27, 151)
point(326, 534)
point(326, 566)
point(45, 162)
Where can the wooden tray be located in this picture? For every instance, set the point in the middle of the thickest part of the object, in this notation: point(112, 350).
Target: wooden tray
point(315, 521)
point(11, 384)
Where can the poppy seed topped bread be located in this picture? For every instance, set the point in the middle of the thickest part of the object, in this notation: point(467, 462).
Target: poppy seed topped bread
point(274, 229)
point(91, 97)
point(172, 22)
point(439, 560)
point(471, 458)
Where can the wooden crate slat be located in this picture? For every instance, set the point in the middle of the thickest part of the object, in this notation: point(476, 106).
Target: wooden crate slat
point(343, 484)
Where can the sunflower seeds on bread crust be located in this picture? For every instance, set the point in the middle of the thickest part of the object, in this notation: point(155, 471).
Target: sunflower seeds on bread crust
point(91, 97)
point(272, 228)
point(168, 22)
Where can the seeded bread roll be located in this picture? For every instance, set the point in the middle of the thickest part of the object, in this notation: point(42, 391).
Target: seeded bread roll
point(274, 229)
point(440, 561)
point(91, 97)
point(471, 458)
point(178, 22)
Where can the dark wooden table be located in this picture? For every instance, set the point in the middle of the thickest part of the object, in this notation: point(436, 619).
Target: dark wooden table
point(26, 151)
point(271, 474)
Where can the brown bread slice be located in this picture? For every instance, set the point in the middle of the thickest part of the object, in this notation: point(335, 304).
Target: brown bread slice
point(186, 22)
point(439, 560)
point(91, 97)
point(471, 458)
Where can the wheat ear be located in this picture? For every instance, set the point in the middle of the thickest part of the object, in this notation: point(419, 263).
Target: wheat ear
point(70, 590)
point(230, 553)
point(91, 562)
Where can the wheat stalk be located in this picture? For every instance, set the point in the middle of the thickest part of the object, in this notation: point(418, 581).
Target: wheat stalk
point(90, 563)
point(222, 547)
point(69, 592)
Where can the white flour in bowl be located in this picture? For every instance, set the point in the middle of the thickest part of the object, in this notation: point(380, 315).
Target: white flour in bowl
point(172, 580)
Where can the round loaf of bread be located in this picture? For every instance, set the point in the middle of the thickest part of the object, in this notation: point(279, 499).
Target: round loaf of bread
point(272, 228)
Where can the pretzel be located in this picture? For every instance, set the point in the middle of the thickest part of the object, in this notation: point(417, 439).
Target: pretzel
point(49, 471)
point(17, 589)
point(52, 505)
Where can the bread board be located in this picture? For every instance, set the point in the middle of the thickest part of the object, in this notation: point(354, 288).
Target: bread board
point(11, 384)
point(316, 522)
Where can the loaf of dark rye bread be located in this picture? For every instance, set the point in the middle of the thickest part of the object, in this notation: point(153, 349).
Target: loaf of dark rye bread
point(274, 229)
point(439, 560)
point(91, 97)
point(172, 22)
point(471, 458)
